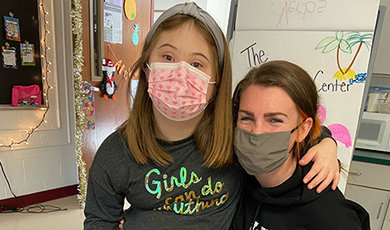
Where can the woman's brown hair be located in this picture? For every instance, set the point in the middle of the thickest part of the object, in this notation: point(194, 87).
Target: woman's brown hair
point(298, 85)
point(214, 132)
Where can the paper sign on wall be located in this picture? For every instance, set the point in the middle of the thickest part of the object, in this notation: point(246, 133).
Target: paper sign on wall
point(27, 54)
point(112, 22)
point(8, 56)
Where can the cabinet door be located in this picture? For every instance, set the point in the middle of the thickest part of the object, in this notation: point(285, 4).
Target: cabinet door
point(373, 200)
point(386, 221)
point(369, 175)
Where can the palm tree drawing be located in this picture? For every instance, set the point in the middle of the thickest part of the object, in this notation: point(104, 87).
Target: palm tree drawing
point(344, 42)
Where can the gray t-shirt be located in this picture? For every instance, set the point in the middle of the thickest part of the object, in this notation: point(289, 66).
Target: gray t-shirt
point(183, 195)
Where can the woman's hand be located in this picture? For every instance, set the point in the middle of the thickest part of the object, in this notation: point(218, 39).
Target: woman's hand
point(325, 168)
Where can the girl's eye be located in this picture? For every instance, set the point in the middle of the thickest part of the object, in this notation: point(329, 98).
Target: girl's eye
point(196, 65)
point(168, 57)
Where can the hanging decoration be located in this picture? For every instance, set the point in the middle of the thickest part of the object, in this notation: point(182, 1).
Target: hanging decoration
point(89, 105)
point(108, 85)
point(11, 25)
point(130, 9)
point(27, 54)
point(47, 87)
point(8, 58)
point(120, 67)
point(135, 34)
point(78, 62)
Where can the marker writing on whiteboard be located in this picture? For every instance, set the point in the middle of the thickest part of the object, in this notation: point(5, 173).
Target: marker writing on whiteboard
point(254, 57)
point(300, 8)
point(336, 86)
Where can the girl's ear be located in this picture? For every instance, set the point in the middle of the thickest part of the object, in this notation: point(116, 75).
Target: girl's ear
point(304, 128)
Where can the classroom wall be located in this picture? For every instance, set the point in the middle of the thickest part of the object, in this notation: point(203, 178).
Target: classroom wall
point(381, 65)
point(48, 161)
point(381, 72)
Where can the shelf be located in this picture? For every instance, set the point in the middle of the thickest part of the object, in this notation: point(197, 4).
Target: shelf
point(10, 107)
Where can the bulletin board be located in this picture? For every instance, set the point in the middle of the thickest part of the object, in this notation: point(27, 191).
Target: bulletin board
point(26, 11)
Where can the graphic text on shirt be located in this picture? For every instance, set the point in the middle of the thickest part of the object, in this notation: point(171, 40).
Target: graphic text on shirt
point(210, 194)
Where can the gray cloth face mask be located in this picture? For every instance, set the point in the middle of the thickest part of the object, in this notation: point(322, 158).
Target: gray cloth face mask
point(261, 153)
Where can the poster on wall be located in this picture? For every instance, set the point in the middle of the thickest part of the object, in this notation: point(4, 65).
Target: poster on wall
point(27, 54)
point(8, 58)
point(12, 30)
point(113, 21)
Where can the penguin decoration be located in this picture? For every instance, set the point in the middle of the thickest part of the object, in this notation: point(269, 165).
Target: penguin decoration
point(108, 85)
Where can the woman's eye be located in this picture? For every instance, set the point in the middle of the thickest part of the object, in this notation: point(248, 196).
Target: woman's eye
point(196, 64)
point(168, 57)
point(245, 119)
point(276, 120)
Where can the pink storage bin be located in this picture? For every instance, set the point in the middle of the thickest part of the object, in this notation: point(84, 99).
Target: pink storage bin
point(30, 94)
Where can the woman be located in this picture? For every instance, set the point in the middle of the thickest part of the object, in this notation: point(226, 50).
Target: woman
point(173, 158)
point(276, 117)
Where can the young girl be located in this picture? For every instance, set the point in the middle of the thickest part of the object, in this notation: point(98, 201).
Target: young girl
point(173, 158)
point(276, 118)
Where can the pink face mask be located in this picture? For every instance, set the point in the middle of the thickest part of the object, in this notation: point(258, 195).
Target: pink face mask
point(178, 90)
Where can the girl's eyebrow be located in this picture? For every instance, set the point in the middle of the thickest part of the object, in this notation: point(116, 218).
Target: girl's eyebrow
point(175, 48)
point(202, 55)
point(167, 45)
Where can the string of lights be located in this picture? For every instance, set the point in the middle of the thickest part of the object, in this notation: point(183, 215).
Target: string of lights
point(78, 62)
point(45, 72)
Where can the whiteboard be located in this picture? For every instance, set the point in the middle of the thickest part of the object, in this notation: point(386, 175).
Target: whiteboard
point(307, 42)
point(306, 14)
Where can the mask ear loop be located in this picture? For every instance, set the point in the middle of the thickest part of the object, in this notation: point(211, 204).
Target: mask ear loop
point(296, 141)
point(215, 93)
